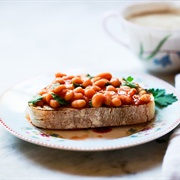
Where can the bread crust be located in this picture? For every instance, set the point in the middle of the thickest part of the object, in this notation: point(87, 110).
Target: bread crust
point(71, 118)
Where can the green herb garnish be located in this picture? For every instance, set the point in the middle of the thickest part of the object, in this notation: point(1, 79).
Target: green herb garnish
point(35, 99)
point(77, 85)
point(129, 82)
point(89, 76)
point(161, 98)
point(90, 103)
point(53, 86)
point(59, 99)
point(107, 84)
point(132, 130)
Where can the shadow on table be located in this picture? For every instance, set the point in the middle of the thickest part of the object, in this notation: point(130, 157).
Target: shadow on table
point(120, 162)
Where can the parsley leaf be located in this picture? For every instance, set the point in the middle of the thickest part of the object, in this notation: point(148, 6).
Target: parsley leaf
point(77, 85)
point(161, 98)
point(129, 79)
point(89, 76)
point(107, 84)
point(55, 85)
point(35, 99)
point(59, 99)
point(90, 103)
point(128, 82)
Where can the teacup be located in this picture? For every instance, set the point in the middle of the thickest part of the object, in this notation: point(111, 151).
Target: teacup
point(152, 31)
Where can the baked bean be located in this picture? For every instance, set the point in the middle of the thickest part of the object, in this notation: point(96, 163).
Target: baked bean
point(63, 92)
point(116, 101)
point(111, 88)
point(145, 98)
point(102, 89)
point(86, 82)
point(105, 75)
point(140, 88)
point(48, 97)
point(101, 83)
point(96, 88)
point(70, 86)
point(107, 99)
point(54, 104)
point(69, 95)
point(94, 79)
point(125, 88)
point(132, 92)
point(87, 99)
point(115, 82)
point(97, 100)
point(44, 98)
point(59, 80)
point(112, 93)
point(77, 80)
point(89, 92)
point(40, 103)
point(59, 88)
point(125, 99)
point(79, 103)
point(59, 74)
point(141, 92)
point(77, 96)
point(79, 90)
point(69, 77)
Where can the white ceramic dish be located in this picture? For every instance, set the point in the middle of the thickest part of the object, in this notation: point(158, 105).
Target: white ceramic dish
point(13, 105)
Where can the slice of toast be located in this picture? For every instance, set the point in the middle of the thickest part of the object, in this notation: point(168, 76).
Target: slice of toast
point(139, 107)
point(70, 118)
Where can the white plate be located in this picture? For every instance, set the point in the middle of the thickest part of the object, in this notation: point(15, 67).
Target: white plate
point(13, 105)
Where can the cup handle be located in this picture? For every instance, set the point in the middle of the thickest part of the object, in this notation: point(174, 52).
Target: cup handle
point(107, 16)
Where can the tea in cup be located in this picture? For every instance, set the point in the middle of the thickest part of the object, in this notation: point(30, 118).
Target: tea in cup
point(152, 32)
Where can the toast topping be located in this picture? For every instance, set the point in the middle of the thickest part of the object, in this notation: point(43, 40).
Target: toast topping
point(91, 91)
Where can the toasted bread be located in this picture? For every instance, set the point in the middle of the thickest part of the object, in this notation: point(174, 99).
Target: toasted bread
point(68, 117)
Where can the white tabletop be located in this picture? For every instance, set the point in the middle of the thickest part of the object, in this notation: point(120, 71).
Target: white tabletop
point(50, 36)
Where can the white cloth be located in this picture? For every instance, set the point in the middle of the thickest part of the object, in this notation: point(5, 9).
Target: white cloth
point(171, 161)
